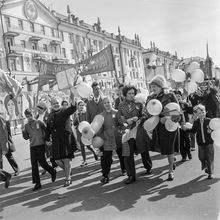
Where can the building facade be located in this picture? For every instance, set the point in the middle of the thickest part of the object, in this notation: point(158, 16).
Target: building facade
point(158, 62)
point(31, 32)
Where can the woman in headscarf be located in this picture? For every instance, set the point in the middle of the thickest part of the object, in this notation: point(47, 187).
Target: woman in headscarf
point(162, 139)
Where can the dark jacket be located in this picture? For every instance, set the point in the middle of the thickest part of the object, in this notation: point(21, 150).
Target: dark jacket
point(59, 129)
point(197, 129)
point(163, 140)
point(93, 109)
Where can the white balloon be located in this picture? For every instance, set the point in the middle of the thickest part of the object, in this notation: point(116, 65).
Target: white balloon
point(151, 123)
point(191, 87)
point(82, 125)
point(193, 66)
point(188, 125)
point(197, 76)
point(97, 142)
point(87, 132)
point(173, 108)
point(216, 136)
point(84, 90)
point(85, 141)
point(154, 107)
point(170, 125)
point(178, 75)
point(214, 123)
point(97, 123)
point(140, 98)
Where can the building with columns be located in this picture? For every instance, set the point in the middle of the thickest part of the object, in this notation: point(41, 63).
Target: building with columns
point(32, 32)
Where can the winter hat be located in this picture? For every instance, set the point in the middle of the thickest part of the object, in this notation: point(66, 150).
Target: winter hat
point(42, 105)
point(159, 81)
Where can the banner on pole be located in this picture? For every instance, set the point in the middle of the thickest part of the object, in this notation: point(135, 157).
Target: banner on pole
point(100, 62)
point(65, 79)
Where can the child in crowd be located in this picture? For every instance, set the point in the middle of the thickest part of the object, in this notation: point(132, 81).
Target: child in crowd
point(79, 116)
point(204, 140)
point(185, 144)
point(111, 138)
point(34, 130)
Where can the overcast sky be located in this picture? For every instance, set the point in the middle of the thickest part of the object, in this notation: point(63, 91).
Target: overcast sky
point(174, 25)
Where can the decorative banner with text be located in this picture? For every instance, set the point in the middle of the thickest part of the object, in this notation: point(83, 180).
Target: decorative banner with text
point(100, 62)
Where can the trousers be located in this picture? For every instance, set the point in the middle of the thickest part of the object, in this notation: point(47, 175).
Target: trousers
point(38, 156)
point(129, 160)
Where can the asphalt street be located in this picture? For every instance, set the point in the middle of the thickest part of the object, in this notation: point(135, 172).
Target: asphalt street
point(190, 196)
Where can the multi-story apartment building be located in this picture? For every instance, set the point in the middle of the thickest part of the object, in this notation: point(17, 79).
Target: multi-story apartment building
point(158, 62)
point(31, 32)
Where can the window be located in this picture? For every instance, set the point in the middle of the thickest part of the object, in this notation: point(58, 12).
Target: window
point(20, 25)
point(23, 44)
point(44, 47)
point(7, 22)
point(32, 27)
point(117, 50)
point(147, 61)
point(34, 45)
point(52, 32)
point(61, 35)
point(118, 62)
point(100, 45)
point(72, 54)
point(12, 64)
point(42, 29)
point(135, 63)
point(70, 38)
point(54, 49)
point(64, 52)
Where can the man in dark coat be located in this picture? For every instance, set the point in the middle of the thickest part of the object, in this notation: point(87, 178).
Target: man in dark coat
point(94, 106)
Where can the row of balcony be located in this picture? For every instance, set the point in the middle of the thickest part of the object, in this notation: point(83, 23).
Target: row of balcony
point(14, 31)
point(18, 50)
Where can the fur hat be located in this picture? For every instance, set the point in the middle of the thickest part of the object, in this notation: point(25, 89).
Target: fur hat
point(42, 105)
point(159, 81)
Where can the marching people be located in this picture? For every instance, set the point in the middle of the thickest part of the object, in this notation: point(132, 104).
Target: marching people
point(5, 134)
point(162, 139)
point(95, 105)
point(128, 114)
point(112, 142)
point(42, 115)
point(79, 116)
point(5, 177)
point(34, 130)
point(59, 134)
point(204, 140)
point(119, 99)
point(185, 143)
point(11, 149)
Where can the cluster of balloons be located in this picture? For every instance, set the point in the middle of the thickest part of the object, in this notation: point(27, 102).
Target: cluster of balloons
point(215, 126)
point(196, 76)
point(88, 131)
point(171, 112)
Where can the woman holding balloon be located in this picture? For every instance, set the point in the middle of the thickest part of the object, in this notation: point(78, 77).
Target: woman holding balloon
point(128, 114)
point(79, 116)
point(162, 139)
point(111, 140)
